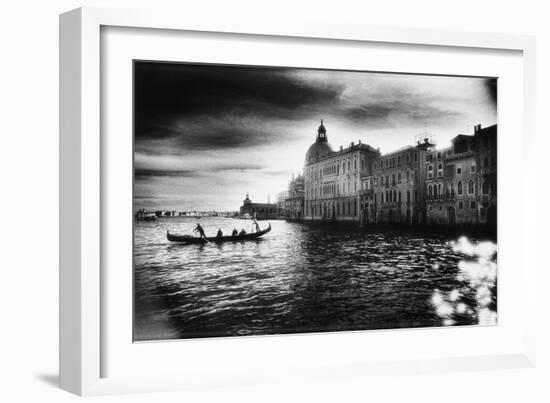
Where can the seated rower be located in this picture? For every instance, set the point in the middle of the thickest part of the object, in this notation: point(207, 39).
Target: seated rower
point(243, 232)
point(220, 233)
point(235, 232)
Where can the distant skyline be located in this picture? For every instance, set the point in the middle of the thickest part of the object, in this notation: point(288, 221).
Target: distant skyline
point(205, 135)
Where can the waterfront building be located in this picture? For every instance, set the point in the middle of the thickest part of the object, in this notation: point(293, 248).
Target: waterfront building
point(260, 211)
point(398, 185)
point(280, 200)
point(332, 179)
point(414, 185)
point(461, 180)
point(294, 203)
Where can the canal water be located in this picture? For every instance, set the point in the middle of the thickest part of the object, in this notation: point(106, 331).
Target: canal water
point(298, 278)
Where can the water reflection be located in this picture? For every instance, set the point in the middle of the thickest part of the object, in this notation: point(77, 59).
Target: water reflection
point(299, 278)
point(476, 298)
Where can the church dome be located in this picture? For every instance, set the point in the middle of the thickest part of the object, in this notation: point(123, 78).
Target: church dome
point(317, 151)
point(321, 148)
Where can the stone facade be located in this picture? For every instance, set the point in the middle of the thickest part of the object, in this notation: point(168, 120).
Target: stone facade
point(461, 180)
point(398, 186)
point(294, 203)
point(333, 179)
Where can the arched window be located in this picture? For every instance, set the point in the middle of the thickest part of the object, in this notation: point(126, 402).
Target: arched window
point(408, 175)
point(435, 191)
point(471, 187)
point(382, 197)
point(429, 191)
point(439, 191)
point(459, 188)
point(485, 188)
point(408, 196)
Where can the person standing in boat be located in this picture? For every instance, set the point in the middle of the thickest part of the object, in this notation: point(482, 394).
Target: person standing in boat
point(255, 223)
point(200, 230)
point(219, 234)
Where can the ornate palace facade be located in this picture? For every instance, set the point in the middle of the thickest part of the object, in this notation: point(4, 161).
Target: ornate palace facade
point(333, 178)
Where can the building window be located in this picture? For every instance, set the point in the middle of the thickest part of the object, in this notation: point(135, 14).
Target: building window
point(473, 168)
point(408, 175)
point(459, 188)
point(430, 191)
point(471, 187)
point(459, 169)
point(472, 204)
point(399, 160)
point(430, 171)
point(415, 157)
point(408, 158)
point(485, 188)
point(440, 170)
point(460, 205)
point(430, 208)
point(440, 208)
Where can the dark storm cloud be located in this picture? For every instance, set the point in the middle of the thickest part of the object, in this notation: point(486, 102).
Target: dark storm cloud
point(205, 107)
point(141, 173)
point(208, 133)
point(377, 114)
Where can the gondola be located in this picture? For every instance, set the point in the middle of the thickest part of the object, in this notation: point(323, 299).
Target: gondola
point(188, 239)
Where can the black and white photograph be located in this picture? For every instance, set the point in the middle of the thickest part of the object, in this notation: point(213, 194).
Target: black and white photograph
point(282, 200)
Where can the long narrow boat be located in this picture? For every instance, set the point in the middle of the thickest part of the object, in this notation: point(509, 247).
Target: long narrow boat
point(188, 239)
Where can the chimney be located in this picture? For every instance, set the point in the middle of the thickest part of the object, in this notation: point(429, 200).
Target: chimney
point(359, 141)
point(352, 143)
point(341, 148)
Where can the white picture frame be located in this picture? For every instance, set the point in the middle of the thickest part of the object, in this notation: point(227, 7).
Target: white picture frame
point(82, 298)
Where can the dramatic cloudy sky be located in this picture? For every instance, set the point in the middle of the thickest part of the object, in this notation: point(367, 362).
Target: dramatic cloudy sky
point(206, 135)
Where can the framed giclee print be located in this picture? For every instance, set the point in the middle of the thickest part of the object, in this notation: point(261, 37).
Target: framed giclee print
point(309, 200)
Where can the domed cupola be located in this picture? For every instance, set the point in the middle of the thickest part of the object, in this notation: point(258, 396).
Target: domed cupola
point(321, 148)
